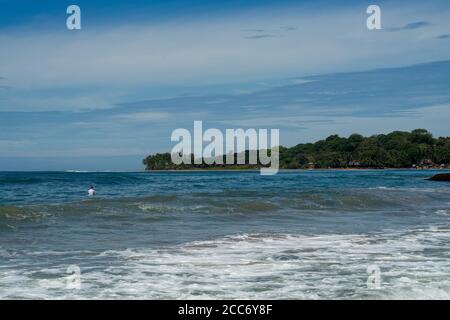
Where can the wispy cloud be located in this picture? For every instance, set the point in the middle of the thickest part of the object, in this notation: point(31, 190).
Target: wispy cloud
point(288, 28)
point(443, 36)
point(254, 30)
point(411, 26)
point(417, 25)
point(142, 116)
point(260, 36)
point(268, 33)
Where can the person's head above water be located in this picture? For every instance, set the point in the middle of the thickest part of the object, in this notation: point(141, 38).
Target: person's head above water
point(92, 187)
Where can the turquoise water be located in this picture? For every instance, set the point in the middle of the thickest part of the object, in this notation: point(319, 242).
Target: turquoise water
point(296, 235)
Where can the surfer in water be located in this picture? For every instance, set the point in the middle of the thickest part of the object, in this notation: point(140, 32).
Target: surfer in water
point(91, 192)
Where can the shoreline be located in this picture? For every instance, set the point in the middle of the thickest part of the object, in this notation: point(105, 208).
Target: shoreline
point(290, 170)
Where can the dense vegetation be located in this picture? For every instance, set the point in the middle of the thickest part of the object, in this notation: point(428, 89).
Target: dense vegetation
point(394, 150)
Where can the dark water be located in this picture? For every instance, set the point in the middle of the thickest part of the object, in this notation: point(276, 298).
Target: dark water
point(304, 235)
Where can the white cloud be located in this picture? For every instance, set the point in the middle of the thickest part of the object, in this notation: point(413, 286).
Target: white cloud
point(215, 51)
point(142, 116)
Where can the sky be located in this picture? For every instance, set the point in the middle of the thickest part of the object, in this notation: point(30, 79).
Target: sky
point(105, 96)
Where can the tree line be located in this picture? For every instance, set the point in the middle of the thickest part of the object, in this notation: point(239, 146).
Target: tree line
point(397, 149)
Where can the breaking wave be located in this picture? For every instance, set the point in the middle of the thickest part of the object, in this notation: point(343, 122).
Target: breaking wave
point(258, 266)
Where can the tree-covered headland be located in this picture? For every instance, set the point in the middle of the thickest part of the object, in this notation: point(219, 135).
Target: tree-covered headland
point(397, 149)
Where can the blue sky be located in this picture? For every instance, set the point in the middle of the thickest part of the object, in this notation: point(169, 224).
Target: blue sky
point(103, 97)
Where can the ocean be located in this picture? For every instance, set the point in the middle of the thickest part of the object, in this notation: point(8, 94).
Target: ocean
point(322, 234)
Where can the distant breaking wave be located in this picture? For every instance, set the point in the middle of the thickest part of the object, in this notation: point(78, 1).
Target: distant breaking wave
point(234, 202)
